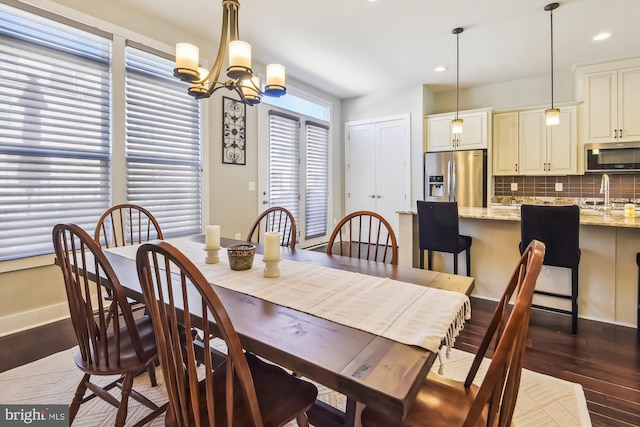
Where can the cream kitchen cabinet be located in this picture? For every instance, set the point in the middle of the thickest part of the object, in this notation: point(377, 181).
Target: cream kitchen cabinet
point(547, 150)
point(505, 143)
point(612, 105)
point(475, 134)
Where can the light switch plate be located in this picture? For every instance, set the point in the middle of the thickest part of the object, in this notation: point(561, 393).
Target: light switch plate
point(514, 186)
point(558, 186)
point(252, 186)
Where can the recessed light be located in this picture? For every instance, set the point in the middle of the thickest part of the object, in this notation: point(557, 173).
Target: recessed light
point(440, 69)
point(602, 36)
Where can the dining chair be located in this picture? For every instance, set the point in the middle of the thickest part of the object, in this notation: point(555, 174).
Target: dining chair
point(243, 390)
point(126, 224)
point(275, 219)
point(438, 230)
point(365, 235)
point(125, 346)
point(444, 402)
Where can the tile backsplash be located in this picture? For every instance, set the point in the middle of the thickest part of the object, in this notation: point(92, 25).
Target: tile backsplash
point(587, 186)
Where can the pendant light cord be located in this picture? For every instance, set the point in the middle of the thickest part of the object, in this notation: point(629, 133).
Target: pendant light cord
point(457, 71)
point(551, 15)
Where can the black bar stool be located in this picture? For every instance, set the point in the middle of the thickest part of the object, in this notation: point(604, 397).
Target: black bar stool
point(558, 227)
point(438, 230)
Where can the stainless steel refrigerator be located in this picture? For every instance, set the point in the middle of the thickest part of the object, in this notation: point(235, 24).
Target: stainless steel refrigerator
point(456, 176)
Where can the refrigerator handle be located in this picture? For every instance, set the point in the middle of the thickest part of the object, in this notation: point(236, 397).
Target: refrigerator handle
point(455, 184)
point(449, 180)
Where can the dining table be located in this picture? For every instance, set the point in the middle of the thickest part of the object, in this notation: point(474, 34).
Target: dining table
point(368, 365)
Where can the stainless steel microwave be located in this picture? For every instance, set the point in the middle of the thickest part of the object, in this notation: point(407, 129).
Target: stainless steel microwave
point(612, 157)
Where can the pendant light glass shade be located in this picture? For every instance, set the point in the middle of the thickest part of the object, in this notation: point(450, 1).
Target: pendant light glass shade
point(552, 114)
point(456, 126)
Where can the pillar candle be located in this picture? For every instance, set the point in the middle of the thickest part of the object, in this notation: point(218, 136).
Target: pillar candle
point(212, 237)
point(271, 246)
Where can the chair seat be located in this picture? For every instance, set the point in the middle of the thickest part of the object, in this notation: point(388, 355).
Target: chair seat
point(281, 396)
point(440, 402)
point(129, 360)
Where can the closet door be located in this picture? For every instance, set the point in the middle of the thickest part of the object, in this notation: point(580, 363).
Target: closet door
point(377, 167)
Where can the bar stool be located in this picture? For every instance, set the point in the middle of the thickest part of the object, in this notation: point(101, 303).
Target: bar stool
point(438, 230)
point(558, 227)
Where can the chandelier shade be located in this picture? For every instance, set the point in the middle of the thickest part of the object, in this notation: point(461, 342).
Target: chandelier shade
point(241, 77)
point(552, 114)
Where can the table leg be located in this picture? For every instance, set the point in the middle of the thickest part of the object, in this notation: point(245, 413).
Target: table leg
point(350, 413)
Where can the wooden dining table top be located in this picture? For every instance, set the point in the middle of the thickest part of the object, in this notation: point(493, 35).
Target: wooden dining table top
point(365, 367)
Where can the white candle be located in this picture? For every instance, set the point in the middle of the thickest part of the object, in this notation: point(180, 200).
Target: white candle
point(271, 246)
point(212, 237)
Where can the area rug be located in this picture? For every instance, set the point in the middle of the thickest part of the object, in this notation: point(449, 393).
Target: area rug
point(542, 401)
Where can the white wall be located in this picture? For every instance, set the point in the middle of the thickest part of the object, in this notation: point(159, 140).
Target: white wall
point(526, 92)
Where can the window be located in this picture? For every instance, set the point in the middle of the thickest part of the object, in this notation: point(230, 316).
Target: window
point(284, 166)
point(317, 167)
point(54, 130)
point(298, 172)
point(163, 153)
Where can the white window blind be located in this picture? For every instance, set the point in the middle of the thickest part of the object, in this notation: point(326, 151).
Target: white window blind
point(317, 179)
point(54, 130)
point(284, 167)
point(163, 149)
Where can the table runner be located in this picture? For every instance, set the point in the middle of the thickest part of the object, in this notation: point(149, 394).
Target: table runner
point(400, 311)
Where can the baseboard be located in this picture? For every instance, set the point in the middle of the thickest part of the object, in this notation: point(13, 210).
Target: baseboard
point(33, 318)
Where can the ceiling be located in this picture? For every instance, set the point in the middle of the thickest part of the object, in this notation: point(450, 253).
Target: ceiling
point(355, 47)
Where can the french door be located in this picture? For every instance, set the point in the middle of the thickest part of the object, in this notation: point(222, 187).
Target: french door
point(294, 171)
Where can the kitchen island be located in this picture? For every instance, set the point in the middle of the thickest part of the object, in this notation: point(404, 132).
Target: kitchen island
point(608, 273)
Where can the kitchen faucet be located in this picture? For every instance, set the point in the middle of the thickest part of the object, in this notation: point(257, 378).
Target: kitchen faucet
point(604, 189)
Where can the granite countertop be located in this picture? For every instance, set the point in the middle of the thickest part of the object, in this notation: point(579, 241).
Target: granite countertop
point(512, 213)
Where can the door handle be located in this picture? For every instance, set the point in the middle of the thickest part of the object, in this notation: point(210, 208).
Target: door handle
point(615, 133)
point(265, 202)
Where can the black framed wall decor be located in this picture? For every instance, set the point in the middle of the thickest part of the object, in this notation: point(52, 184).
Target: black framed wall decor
point(233, 131)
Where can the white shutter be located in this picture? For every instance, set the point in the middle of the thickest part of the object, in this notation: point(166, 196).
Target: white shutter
point(163, 149)
point(54, 130)
point(284, 167)
point(317, 179)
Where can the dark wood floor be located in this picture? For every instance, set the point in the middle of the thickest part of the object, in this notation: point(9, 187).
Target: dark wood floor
point(604, 358)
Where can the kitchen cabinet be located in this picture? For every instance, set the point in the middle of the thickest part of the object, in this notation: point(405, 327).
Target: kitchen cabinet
point(505, 143)
point(547, 150)
point(612, 105)
point(475, 131)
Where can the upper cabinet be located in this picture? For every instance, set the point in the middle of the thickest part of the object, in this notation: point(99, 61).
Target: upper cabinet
point(524, 145)
point(505, 143)
point(612, 105)
point(475, 134)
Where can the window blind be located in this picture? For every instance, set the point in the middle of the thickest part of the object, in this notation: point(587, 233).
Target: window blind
point(163, 148)
point(54, 130)
point(284, 168)
point(317, 180)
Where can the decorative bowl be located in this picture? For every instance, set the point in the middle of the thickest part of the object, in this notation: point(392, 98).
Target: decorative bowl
point(241, 256)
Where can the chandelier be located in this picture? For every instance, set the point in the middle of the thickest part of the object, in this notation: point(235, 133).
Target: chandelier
point(241, 78)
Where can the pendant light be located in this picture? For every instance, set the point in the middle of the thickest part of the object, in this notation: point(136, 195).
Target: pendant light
point(456, 124)
point(552, 114)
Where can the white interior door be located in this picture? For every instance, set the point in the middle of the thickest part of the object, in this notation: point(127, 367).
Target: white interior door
point(377, 167)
